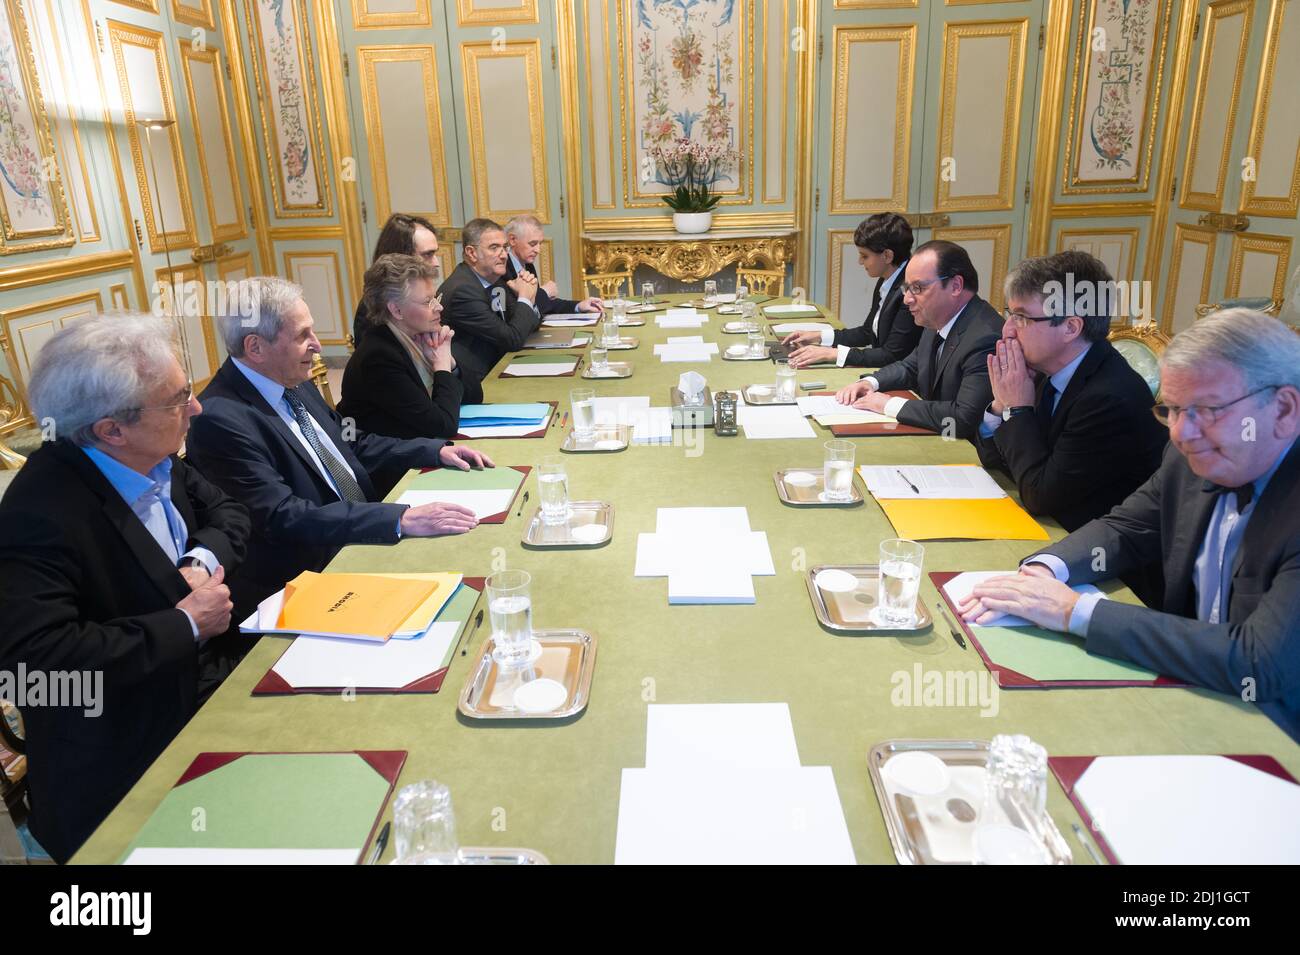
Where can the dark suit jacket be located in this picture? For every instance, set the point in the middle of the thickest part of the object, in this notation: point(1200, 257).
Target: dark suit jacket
point(1257, 646)
point(483, 336)
point(1100, 446)
point(895, 337)
point(241, 444)
point(360, 324)
point(962, 390)
point(84, 587)
point(545, 304)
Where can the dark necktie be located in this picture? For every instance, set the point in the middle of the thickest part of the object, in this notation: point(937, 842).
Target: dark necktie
point(1046, 403)
point(348, 488)
point(1245, 494)
point(875, 308)
point(930, 391)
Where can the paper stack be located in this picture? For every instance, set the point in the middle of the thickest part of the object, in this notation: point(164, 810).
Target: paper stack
point(651, 425)
point(941, 502)
point(708, 554)
point(503, 421)
point(686, 348)
point(681, 318)
point(775, 421)
point(723, 784)
point(826, 411)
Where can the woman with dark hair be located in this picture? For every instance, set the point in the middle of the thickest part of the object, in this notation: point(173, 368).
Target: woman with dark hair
point(404, 235)
point(889, 334)
point(402, 380)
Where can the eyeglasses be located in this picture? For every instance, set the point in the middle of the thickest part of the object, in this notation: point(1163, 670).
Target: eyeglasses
point(189, 396)
point(429, 302)
point(916, 288)
point(1021, 320)
point(1201, 414)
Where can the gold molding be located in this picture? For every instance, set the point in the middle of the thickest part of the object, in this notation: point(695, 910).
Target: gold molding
point(1288, 205)
point(1133, 232)
point(804, 120)
point(843, 38)
point(1000, 236)
point(1217, 10)
point(118, 297)
point(1184, 233)
point(466, 15)
point(345, 318)
point(197, 18)
point(232, 262)
point(367, 57)
point(785, 103)
point(836, 240)
point(1047, 132)
point(591, 111)
point(248, 139)
point(531, 52)
point(721, 222)
point(1016, 31)
point(148, 6)
point(212, 57)
point(878, 4)
point(1140, 181)
point(686, 259)
point(546, 262)
point(22, 414)
point(1278, 245)
point(74, 121)
point(363, 19)
point(308, 232)
point(1087, 210)
point(30, 82)
point(186, 273)
point(55, 270)
point(323, 207)
point(571, 130)
point(125, 34)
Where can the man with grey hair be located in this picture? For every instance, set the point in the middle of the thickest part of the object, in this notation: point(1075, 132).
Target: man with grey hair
point(1220, 514)
point(269, 440)
point(1081, 438)
point(113, 557)
point(490, 314)
point(524, 243)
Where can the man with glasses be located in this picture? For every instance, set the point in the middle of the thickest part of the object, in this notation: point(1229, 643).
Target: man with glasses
point(113, 559)
point(491, 316)
point(948, 368)
point(1221, 515)
point(1081, 438)
point(403, 234)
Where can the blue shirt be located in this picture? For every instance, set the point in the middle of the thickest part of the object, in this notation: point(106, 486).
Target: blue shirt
point(1060, 381)
point(519, 270)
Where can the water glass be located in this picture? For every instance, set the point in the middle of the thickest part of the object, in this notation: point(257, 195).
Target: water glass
point(599, 359)
point(757, 342)
point(610, 333)
point(619, 310)
point(900, 579)
point(749, 315)
point(742, 290)
point(510, 609)
point(837, 470)
point(647, 293)
point(1015, 777)
point(424, 825)
point(583, 401)
point(553, 488)
point(785, 376)
point(710, 292)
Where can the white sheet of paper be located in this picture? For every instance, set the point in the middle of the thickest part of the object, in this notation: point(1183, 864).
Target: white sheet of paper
point(779, 421)
point(959, 590)
point(683, 354)
point(651, 425)
point(705, 582)
point(686, 343)
point(575, 320)
point(686, 340)
point(482, 503)
point(935, 482)
point(855, 416)
point(197, 856)
point(541, 369)
point(502, 430)
point(788, 327)
point(620, 410)
point(749, 816)
point(662, 554)
point(682, 313)
point(828, 411)
point(701, 520)
point(321, 662)
point(1192, 810)
point(711, 736)
point(790, 308)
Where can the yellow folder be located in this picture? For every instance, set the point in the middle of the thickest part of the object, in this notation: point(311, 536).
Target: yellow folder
point(364, 606)
point(998, 519)
point(427, 612)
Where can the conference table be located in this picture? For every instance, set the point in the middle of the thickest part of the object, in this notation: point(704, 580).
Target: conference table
point(554, 786)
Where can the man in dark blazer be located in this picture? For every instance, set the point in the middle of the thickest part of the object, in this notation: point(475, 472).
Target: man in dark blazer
point(269, 440)
point(1081, 439)
point(113, 554)
point(1221, 516)
point(889, 334)
point(523, 244)
point(491, 316)
point(948, 369)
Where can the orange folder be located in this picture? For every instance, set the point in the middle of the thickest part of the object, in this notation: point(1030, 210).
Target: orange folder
point(998, 519)
point(361, 606)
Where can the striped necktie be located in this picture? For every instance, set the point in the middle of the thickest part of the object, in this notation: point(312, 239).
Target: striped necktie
point(348, 488)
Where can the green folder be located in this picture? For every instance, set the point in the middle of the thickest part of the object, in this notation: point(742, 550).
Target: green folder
point(1048, 656)
point(454, 479)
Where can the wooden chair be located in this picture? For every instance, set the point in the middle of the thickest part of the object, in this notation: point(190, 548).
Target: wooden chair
point(608, 284)
point(762, 281)
point(1142, 345)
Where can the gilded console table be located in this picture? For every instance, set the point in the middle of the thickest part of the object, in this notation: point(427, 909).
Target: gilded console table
point(687, 258)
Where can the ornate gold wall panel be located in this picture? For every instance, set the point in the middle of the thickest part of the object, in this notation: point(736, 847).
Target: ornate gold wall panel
point(470, 13)
point(416, 14)
point(187, 306)
point(25, 330)
point(861, 79)
point(687, 260)
point(118, 297)
point(546, 263)
point(600, 116)
point(389, 77)
point(319, 274)
point(1225, 39)
point(989, 248)
point(847, 286)
point(963, 104)
point(196, 13)
point(215, 140)
point(149, 6)
point(1275, 134)
point(1117, 247)
point(1193, 253)
point(495, 147)
point(1257, 266)
point(37, 273)
point(234, 268)
point(877, 4)
point(775, 141)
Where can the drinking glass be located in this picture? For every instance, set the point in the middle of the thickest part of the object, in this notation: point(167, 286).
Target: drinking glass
point(742, 290)
point(710, 292)
point(647, 293)
point(583, 401)
point(900, 579)
point(553, 488)
point(599, 359)
point(785, 381)
point(837, 470)
point(510, 608)
point(609, 328)
point(749, 315)
point(424, 825)
point(757, 342)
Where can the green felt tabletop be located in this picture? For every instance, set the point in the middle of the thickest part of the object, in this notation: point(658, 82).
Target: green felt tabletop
point(555, 787)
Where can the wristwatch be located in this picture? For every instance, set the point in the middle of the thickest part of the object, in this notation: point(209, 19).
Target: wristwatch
point(1009, 413)
point(191, 562)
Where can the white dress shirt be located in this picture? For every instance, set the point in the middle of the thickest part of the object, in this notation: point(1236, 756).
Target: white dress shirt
point(893, 405)
point(828, 335)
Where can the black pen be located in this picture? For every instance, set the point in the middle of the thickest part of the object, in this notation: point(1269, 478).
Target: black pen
point(477, 622)
point(956, 631)
point(522, 503)
point(915, 489)
point(380, 844)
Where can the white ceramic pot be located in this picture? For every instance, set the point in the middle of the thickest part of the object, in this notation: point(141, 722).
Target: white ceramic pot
point(692, 223)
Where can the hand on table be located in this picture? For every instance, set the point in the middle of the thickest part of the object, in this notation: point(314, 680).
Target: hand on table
point(1042, 600)
point(802, 338)
point(464, 458)
point(436, 519)
point(851, 393)
point(807, 355)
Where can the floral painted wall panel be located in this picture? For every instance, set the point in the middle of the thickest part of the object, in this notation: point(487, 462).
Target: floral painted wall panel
point(31, 194)
point(290, 122)
point(689, 69)
point(1121, 56)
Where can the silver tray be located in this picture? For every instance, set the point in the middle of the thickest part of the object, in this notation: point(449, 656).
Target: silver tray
point(851, 612)
point(809, 495)
point(937, 830)
point(613, 369)
point(620, 433)
point(632, 322)
point(754, 395)
point(734, 331)
point(568, 656)
point(537, 533)
point(475, 855)
point(626, 343)
point(745, 357)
